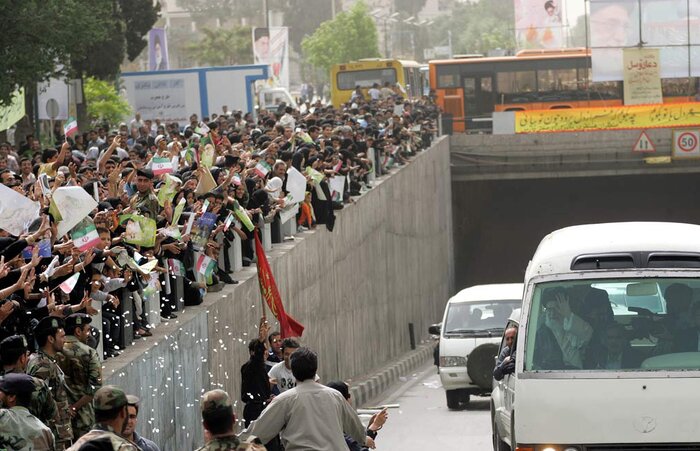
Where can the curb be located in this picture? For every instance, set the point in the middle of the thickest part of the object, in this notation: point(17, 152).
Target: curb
point(376, 383)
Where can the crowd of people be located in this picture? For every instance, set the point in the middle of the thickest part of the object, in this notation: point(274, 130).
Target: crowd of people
point(94, 227)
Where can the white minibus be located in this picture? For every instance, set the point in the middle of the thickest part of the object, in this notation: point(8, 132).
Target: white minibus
point(608, 345)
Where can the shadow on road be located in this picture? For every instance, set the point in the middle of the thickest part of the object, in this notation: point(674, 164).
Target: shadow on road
point(479, 404)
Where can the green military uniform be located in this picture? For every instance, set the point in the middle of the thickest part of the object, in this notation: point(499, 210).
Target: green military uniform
point(19, 429)
point(146, 204)
point(83, 373)
point(43, 366)
point(43, 405)
point(215, 400)
point(106, 398)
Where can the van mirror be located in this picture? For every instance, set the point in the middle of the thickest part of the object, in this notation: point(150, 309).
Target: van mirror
point(434, 329)
point(642, 289)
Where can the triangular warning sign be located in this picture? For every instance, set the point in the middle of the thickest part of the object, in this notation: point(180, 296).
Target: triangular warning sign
point(644, 144)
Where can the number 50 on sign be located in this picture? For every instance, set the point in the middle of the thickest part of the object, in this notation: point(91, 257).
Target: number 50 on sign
point(686, 144)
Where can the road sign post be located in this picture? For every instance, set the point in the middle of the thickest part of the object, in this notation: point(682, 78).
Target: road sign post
point(644, 143)
point(686, 144)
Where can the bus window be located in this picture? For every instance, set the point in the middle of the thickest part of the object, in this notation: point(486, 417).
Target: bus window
point(556, 84)
point(677, 87)
point(516, 87)
point(366, 78)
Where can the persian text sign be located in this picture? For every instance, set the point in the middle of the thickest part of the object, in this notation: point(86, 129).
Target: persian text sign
point(608, 118)
point(642, 72)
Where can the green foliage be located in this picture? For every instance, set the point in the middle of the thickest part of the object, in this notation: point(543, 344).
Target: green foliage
point(477, 27)
point(46, 38)
point(223, 47)
point(128, 22)
point(104, 102)
point(350, 36)
point(38, 34)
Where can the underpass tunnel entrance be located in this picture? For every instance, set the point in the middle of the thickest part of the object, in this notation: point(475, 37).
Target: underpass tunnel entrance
point(499, 223)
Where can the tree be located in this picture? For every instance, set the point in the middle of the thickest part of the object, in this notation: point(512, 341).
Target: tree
point(40, 37)
point(104, 102)
point(350, 36)
point(223, 47)
point(477, 27)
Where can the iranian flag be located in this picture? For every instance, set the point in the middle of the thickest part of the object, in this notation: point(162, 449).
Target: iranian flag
point(205, 265)
point(70, 127)
point(68, 284)
point(161, 165)
point(84, 235)
point(262, 169)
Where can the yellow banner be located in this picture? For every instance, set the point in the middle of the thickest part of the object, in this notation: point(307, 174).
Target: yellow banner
point(608, 118)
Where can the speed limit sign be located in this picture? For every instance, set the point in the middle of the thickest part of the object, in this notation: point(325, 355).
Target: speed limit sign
point(686, 144)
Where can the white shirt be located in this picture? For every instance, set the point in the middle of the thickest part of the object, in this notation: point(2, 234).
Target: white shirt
point(284, 376)
point(310, 416)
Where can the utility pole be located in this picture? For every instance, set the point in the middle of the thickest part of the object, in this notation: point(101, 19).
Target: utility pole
point(267, 14)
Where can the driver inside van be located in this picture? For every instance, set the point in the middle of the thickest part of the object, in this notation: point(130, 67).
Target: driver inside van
point(571, 333)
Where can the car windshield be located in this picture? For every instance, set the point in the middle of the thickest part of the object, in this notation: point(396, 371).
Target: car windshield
point(614, 324)
point(467, 317)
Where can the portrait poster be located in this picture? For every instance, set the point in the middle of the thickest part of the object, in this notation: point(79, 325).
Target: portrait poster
point(538, 24)
point(271, 47)
point(157, 50)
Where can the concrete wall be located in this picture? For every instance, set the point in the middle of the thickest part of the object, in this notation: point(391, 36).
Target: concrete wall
point(388, 263)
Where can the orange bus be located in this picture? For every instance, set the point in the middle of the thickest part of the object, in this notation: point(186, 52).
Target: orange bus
point(468, 90)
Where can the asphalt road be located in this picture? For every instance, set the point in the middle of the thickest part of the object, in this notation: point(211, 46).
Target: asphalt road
point(423, 421)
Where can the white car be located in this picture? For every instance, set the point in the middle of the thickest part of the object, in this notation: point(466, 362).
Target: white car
point(471, 330)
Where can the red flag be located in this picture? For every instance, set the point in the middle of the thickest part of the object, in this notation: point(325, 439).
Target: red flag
point(268, 288)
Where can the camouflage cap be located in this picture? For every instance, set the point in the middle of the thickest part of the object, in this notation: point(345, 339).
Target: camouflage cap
point(48, 325)
point(109, 397)
point(16, 384)
point(76, 320)
point(215, 399)
point(14, 342)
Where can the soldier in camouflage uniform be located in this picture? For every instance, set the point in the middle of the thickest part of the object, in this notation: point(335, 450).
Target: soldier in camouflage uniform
point(83, 371)
point(14, 354)
point(218, 419)
point(50, 337)
point(19, 429)
point(110, 406)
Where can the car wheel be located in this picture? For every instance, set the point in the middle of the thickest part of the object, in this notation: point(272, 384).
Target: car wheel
point(465, 397)
point(453, 399)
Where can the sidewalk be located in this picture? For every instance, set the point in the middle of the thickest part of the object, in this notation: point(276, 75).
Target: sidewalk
point(372, 386)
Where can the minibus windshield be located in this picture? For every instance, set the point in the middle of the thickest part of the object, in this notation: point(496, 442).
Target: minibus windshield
point(636, 324)
point(478, 317)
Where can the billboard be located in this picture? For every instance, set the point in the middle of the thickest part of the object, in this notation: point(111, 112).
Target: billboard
point(271, 47)
point(158, 50)
point(672, 26)
point(538, 24)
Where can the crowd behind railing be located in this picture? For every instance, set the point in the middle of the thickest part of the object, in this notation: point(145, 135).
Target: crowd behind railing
point(114, 231)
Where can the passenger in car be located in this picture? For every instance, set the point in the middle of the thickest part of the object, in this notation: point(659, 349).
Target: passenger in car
point(599, 315)
point(688, 339)
point(571, 332)
point(678, 301)
point(617, 354)
point(505, 364)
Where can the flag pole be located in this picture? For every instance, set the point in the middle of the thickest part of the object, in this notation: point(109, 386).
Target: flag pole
point(262, 298)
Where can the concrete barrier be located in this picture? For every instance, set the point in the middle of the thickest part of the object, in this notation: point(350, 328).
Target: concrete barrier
point(388, 263)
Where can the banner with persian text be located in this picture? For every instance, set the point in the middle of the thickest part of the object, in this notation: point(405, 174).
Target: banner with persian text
point(608, 118)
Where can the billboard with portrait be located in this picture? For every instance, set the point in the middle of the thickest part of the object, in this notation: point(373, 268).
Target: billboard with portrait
point(672, 26)
point(271, 47)
point(538, 24)
point(157, 50)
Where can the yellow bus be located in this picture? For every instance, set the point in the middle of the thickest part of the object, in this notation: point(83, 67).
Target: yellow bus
point(364, 73)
